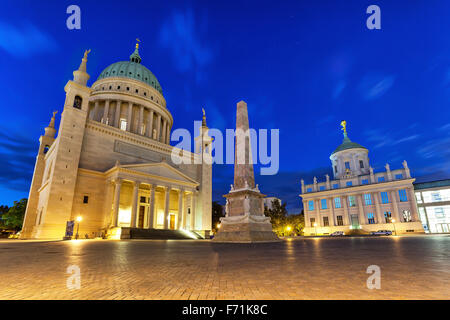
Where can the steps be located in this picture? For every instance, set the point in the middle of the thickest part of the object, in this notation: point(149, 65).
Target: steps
point(158, 234)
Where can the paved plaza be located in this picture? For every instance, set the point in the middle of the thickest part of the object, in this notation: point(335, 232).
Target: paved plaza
point(413, 267)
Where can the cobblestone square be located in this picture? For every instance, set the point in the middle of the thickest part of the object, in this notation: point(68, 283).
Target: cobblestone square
point(412, 267)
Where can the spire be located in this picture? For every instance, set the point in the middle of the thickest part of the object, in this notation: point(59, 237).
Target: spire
point(80, 76)
point(344, 128)
point(204, 118)
point(135, 57)
point(50, 129)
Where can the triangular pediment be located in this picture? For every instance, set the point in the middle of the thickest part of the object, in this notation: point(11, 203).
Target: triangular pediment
point(161, 169)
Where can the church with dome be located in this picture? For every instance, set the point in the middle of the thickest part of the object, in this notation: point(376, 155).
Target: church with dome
point(357, 199)
point(110, 170)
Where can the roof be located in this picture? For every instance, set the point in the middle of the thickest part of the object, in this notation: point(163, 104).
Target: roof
point(432, 184)
point(348, 144)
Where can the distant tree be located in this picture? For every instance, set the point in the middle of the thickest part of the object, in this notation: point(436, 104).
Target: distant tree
point(278, 217)
point(217, 213)
point(3, 209)
point(13, 219)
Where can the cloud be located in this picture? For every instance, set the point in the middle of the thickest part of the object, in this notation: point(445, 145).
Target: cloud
point(17, 158)
point(383, 138)
point(374, 86)
point(180, 36)
point(25, 41)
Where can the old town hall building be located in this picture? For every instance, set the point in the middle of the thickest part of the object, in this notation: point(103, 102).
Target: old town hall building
point(110, 166)
point(359, 199)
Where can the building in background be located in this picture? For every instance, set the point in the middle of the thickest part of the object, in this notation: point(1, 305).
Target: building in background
point(358, 198)
point(433, 200)
point(111, 162)
point(269, 200)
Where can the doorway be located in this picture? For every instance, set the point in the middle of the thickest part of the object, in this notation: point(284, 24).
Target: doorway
point(141, 217)
point(172, 222)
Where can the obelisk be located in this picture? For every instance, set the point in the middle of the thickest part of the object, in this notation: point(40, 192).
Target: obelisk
point(245, 220)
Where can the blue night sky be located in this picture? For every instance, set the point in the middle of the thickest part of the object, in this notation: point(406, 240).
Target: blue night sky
point(302, 67)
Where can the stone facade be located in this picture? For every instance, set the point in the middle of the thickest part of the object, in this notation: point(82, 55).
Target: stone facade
point(358, 198)
point(111, 164)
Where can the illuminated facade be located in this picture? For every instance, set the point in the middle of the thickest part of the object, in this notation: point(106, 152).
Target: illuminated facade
point(433, 200)
point(111, 162)
point(358, 198)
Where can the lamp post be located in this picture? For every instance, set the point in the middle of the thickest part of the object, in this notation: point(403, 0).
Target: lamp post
point(288, 229)
point(79, 218)
point(395, 230)
point(315, 227)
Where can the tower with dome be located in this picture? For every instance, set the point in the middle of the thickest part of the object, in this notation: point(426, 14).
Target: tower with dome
point(357, 198)
point(111, 163)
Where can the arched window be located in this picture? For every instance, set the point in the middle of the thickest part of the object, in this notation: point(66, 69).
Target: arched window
point(77, 102)
point(46, 148)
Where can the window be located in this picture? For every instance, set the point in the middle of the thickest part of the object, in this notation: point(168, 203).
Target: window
point(340, 221)
point(402, 195)
point(323, 203)
point(349, 183)
point(313, 222)
point(380, 179)
point(364, 181)
point(142, 200)
point(326, 223)
point(310, 205)
point(85, 199)
point(436, 196)
point(309, 190)
point(371, 218)
point(335, 169)
point(46, 149)
point(398, 176)
point(123, 124)
point(337, 203)
point(322, 188)
point(77, 102)
point(384, 197)
point(406, 216)
point(388, 217)
point(368, 199)
point(351, 201)
point(418, 197)
point(347, 165)
point(439, 213)
point(335, 186)
point(118, 87)
point(361, 164)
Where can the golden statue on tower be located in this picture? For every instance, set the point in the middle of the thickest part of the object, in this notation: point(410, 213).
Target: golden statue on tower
point(344, 126)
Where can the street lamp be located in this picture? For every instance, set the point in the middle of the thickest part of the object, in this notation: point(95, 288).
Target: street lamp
point(315, 226)
point(395, 230)
point(288, 229)
point(79, 218)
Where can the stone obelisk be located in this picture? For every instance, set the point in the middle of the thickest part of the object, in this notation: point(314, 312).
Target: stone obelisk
point(245, 220)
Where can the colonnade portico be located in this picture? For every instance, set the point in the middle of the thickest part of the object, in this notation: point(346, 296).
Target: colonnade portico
point(156, 204)
point(143, 121)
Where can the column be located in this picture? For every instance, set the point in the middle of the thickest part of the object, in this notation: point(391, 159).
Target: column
point(184, 220)
point(192, 217)
point(395, 206)
point(307, 221)
point(346, 216)
point(166, 207)
point(380, 216)
point(158, 127)
point(163, 133)
point(318, 218)
point(117, 114)
point(151, 213)
point(150, 124)
point(362, 216)
point(412, 201)
point(117, 187)
point(333, 213)
point(180, 208)
point(168, 133)
point(129, 116)
point(134, 204)
point(94, 116)
point(106, 112)
point(141, 120)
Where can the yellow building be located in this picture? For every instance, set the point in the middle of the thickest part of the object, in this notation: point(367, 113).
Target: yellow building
point(111, 162)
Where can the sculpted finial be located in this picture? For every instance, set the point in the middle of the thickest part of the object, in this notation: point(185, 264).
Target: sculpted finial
point(137, 43)
point(86, 53)
point(344, 126)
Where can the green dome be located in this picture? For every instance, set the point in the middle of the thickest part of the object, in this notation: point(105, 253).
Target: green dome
point(132, 69)
point(348, 144)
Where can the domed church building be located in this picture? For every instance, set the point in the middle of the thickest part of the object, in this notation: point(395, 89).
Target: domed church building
point(110, 172)
point(359, 198)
